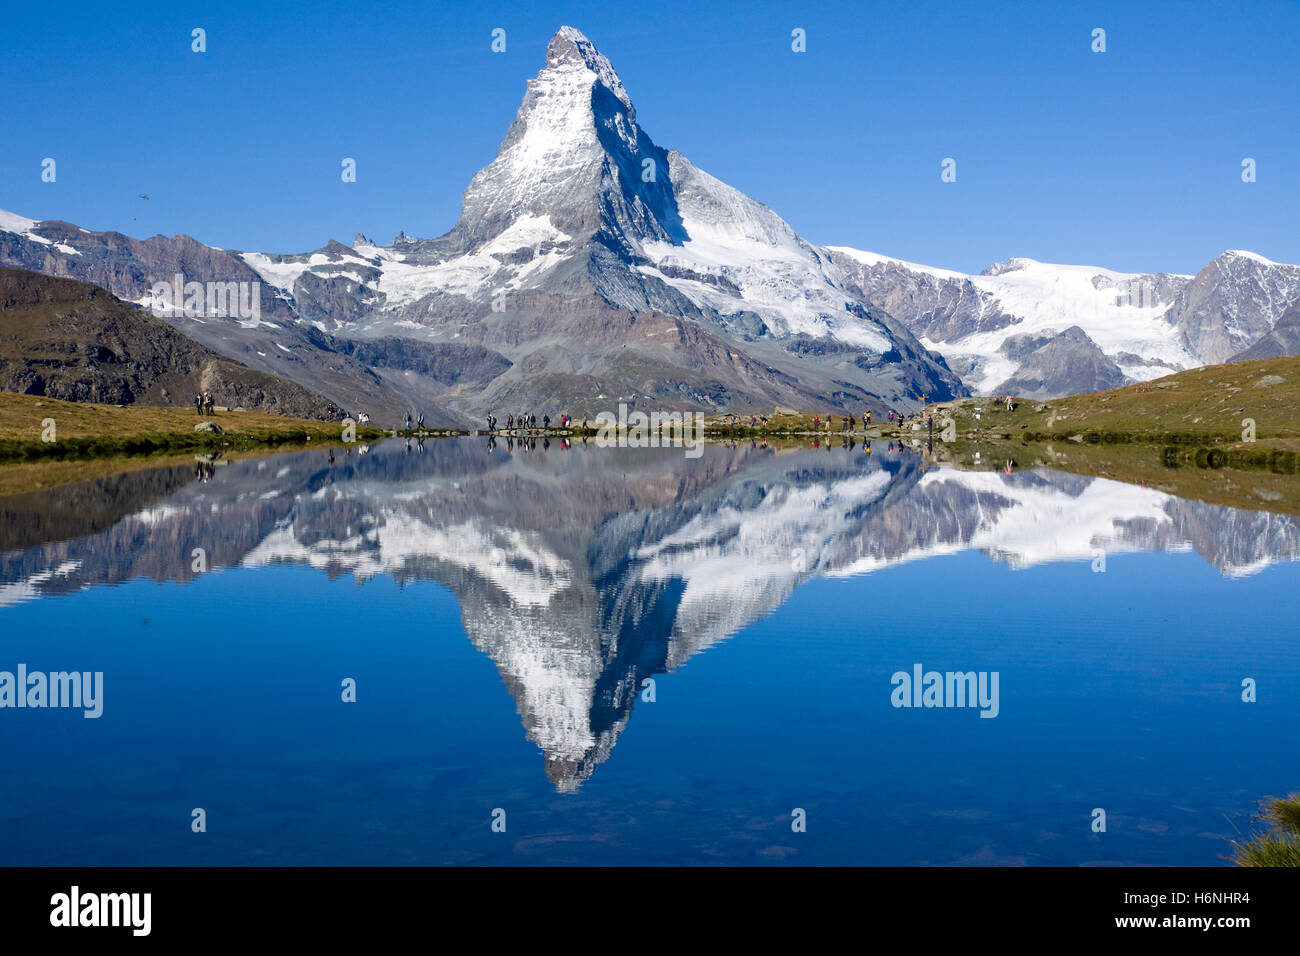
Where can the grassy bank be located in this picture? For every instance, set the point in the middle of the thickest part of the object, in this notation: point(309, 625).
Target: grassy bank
point(1223, 434)
point(1204, 406)
point(84, 430)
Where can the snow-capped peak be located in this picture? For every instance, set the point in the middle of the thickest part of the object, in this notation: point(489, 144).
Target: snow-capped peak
point(12, 222)
point(1246, 254)
point(569, 48)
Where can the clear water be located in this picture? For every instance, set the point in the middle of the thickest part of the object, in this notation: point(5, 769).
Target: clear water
point(501, 610)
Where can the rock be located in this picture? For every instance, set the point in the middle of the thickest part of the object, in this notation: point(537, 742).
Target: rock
point(1077, 438)
point(1268, 380)
point(1065, 364)
point(209, 428)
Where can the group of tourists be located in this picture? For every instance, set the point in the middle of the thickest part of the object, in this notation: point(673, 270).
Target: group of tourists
point(203, 404)
point(418, 421)
point(361, 418)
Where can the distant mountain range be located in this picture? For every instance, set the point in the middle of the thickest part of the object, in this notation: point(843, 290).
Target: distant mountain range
point(74, 341)
point(591, 266)
point(1042, 330)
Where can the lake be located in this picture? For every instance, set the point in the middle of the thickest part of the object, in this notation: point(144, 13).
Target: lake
point(463, 653)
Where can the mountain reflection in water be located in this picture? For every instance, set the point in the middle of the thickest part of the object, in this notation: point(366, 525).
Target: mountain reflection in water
point(581, 572)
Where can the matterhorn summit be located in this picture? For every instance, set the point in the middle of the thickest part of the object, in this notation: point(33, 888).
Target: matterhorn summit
point(573, 165)
point(582, 212)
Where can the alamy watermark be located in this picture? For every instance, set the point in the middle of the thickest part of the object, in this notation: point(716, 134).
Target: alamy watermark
point(923, 688)
point(129, 910)
point(638, 429)
point(236, 299)
point(84, 690)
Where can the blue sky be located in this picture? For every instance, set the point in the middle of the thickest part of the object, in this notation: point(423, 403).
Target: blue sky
point(1129, 159)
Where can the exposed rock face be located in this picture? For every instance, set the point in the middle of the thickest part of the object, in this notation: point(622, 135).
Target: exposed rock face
point(1232, 303)
point(74, 341)
point(1284, 339)
point(1060, 365)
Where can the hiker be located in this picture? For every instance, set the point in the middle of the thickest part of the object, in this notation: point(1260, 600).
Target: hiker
point(546, 421)
point(510, 421)
point(420, 421)
point(198, 404)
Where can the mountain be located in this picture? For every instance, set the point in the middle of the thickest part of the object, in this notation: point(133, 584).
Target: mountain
point(1284, 339)
point(74, 341)
point(1135, 326)
point(278, 343)
point(589, 266)
point(580, 573)
point(1061, 364)
point(1233, 302)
